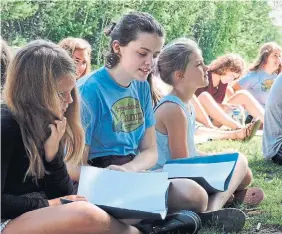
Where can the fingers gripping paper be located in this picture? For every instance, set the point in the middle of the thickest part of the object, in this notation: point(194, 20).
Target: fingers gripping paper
point(125, 195)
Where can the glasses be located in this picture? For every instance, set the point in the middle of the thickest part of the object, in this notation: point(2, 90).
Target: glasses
point(80, 63)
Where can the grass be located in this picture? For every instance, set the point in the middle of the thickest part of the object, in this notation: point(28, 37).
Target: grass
point(267, 176)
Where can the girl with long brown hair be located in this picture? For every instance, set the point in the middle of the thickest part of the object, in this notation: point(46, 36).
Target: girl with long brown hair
point(262, 73)
point(40, 128)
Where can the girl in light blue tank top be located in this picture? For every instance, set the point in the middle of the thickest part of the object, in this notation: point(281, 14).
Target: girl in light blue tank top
point(181, 65)
point(162, 139)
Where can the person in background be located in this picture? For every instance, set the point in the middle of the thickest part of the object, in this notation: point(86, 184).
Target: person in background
point(272, 130)
point(261, 75)
point(217, 101)
point(6, 55)
point(80, 51)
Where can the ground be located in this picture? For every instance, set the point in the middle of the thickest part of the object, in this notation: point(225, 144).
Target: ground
point(267, 176)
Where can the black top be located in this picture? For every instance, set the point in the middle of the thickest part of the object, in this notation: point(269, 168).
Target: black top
point(18, 195)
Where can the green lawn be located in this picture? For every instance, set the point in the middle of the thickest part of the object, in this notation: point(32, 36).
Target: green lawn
point(267, 176)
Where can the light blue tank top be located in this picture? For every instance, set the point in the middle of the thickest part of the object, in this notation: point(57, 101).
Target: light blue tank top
point(162, 139)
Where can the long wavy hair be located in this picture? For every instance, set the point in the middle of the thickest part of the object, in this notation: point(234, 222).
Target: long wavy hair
point(71, 44)
point(32, 95)
point(264, 53)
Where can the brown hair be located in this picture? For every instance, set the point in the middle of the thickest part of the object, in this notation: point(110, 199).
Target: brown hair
point(127, 29)
point(70, 44)
point(226, 63)
point(6, 55)
point(175, 57)
point(264, 53)
point(32, 96)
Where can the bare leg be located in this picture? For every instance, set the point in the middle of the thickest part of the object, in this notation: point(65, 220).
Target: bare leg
point(245, 99)
point(201, 115)
point(246, 181)
point(218, 200)
point(186, 194)
point(73, 218)
point(216, 112)
point(218, 134)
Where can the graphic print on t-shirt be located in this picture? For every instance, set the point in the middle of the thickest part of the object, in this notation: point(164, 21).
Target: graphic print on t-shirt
point(266, 85)
point(127, 115)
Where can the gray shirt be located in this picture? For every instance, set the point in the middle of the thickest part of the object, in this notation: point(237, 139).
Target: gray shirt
point(272, 129)
point(258, 83)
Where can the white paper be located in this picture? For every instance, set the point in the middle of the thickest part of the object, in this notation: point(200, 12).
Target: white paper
point(126, 190)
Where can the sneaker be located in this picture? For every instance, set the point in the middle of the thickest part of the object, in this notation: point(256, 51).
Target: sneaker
point(228, 219)
point(186, 222)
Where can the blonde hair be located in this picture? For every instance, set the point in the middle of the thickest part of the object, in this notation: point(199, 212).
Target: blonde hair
point(229, 62)
point(264, 53)
point(32, 95)
point(70, 44)
point(6, 54)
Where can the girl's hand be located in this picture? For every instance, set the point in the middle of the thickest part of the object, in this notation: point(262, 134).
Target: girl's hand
point(56, 201)
point(117, 168)
point(51, 145)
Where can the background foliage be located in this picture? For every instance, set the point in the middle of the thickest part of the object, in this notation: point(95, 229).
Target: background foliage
point(218, 26)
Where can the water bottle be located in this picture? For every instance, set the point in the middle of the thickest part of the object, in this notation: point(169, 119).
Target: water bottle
point(238, 115)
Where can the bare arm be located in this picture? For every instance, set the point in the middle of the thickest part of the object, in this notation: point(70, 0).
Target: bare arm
point(74, 171)
point(148, 153)
point(201, 115)
point(236, 86)
point(229, 92)
point(176, 124)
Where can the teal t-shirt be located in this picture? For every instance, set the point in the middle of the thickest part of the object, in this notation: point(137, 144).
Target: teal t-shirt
point(115, 118)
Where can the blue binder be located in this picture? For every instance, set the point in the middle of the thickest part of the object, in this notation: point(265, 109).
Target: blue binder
point(212, 172)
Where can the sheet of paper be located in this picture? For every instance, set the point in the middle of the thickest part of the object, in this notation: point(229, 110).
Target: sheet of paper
point(133, 191)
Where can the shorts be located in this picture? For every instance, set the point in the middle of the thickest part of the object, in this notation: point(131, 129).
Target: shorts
point(106, 161)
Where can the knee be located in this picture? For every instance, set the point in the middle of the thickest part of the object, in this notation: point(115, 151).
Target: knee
point(198, 197)
point(242, 94)
point(242, 162)
point(86, 215)
point(248, 178)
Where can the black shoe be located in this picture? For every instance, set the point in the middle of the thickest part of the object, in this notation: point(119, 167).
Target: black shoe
point(182, 222)
point(249, 119)
point(228, 219)
point(277, 159)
